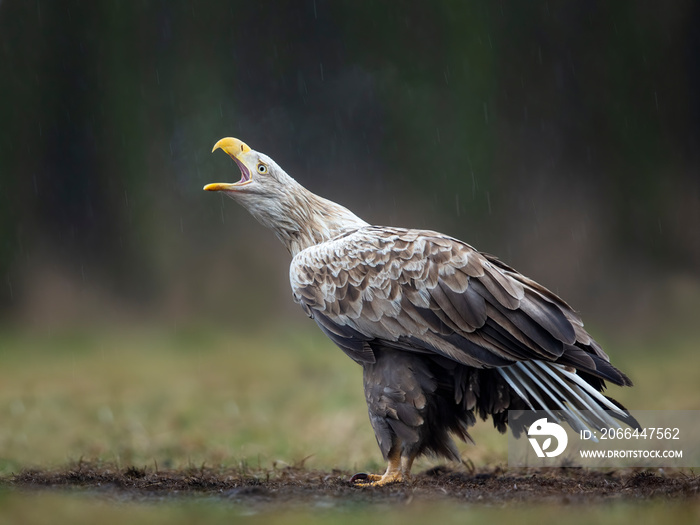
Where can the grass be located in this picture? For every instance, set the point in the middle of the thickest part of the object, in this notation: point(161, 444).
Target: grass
point(183, 397)
point(175, 399)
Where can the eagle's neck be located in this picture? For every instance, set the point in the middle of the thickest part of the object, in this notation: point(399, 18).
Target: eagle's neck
point(307, 219)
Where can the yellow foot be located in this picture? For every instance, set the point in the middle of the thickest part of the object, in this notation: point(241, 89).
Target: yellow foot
point(375, 480)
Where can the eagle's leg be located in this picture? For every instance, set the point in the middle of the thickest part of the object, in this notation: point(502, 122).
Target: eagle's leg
point(398, 470)
point(396, 388)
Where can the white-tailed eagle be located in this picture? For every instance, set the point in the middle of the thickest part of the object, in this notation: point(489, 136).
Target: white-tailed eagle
point(444, 333)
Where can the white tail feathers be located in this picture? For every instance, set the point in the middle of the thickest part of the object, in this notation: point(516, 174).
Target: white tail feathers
point(551, 387)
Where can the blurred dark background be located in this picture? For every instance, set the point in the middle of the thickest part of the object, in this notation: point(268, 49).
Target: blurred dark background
point(563, 137)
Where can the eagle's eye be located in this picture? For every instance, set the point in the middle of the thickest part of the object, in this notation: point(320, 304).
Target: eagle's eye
point(262, 168)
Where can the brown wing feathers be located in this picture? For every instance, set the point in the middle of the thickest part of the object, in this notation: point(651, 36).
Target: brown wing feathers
point(428, 292)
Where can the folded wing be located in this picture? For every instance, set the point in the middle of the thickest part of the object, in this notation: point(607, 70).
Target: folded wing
point(422, 291)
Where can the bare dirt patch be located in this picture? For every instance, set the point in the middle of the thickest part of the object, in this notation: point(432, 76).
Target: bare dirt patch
point(302, 487)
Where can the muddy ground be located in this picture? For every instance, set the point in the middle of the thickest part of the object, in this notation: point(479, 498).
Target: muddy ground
point(302, 487)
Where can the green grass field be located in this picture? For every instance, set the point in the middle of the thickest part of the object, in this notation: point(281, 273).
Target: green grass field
point(171, 398)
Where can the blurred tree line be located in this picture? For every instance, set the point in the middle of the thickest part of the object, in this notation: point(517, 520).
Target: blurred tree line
point(563, 137)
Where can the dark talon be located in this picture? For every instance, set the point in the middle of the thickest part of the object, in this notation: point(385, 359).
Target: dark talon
point(360, 476)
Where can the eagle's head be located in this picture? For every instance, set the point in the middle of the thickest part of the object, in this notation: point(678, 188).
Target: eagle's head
point(261, 177)
point(298, 217)
point(265, 190)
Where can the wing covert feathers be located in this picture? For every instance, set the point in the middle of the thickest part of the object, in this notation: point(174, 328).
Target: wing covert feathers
point(425, 292)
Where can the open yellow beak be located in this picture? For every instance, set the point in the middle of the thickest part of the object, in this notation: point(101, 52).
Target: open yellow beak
point(234, 148)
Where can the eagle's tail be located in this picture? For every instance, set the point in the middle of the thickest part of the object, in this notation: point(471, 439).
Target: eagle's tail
point(564, 395)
